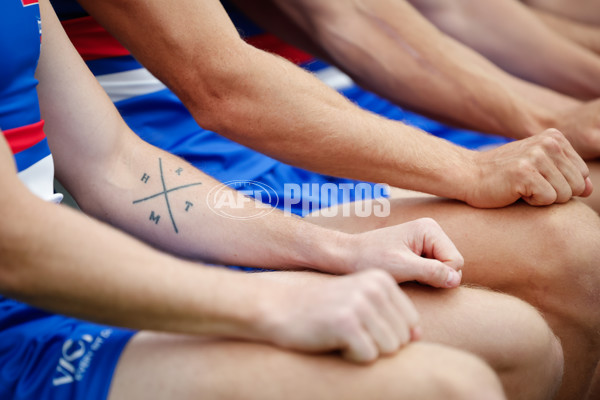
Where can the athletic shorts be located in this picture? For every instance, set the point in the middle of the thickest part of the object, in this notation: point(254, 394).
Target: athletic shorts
point(45, 356)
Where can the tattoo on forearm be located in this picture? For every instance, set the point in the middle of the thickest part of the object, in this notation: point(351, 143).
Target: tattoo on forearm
point(154, 216)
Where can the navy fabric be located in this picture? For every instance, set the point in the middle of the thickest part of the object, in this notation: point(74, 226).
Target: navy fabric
point(20, 30)
point(50, 357)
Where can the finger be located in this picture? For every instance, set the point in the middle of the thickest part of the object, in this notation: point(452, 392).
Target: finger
point(571, 153)
point(416, 333)
point(395, 308)
point(433, 273)
point(404, 307)
point(437, 245)
point(558, 180)
point(589, 188)
point(387, 332)
point(360, 348)
point(537, 191)
point(566, 160)
point(574, 179)
point(401, 321)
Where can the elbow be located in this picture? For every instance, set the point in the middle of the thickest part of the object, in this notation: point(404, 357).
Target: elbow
point(219, 92)
point(10, 280)
point(17, 244)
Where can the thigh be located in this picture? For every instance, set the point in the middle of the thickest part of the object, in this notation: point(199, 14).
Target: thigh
point(503, 331)
point(164, 366)
point(505, 249)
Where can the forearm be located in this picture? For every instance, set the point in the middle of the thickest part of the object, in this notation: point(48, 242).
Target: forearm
point(586, 11)
point(271, 105)
point(58, 260)
point(401, 58)
point(585, 35)
point(174, 206)
point(391, 49)
point(533, 51)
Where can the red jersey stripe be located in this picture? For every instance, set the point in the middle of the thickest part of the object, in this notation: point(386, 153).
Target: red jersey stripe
point(272, 44)
point(24, 137)
point(91, 40)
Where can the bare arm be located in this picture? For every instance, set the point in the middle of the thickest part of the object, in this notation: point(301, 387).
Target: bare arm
point(586, 11)
point(271, 105)
point(55, 258)
point(533, 51)
point(118, 178)
point(267, 103)
point(389, 48)
point(586, 35)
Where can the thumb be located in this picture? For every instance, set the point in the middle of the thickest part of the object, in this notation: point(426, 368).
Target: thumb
point(435, 273)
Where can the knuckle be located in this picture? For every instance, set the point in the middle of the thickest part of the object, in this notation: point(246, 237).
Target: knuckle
point(523, 168)
point(347, 321)
point(434, 273)
point(564, 195)
point(537, 155)
point(554, 133)
point(578, 187)
point(551, 144)
point(428, 223)
point(379, 276)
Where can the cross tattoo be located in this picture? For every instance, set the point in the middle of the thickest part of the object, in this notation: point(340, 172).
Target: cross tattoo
point(165, 193)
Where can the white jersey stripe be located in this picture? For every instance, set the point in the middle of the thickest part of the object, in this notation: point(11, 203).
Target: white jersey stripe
point(39, 178)
point(138, 82)
point(128, 84)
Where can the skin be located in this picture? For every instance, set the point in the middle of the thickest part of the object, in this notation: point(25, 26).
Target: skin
point(333, 140)
point(363, 315)
point(385, 34)
point(585, 35)
point(587, 11)
point(550, 166)
point(533, 52)
point(524, 262)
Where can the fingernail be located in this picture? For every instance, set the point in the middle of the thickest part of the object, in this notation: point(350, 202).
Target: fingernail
point(453, 279)
point(416, 333)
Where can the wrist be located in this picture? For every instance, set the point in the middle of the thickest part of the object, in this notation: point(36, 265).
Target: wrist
point(462, 177)
point(537, 121)
point(326, 250)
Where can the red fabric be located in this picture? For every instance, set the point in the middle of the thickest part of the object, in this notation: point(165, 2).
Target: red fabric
point(24, 137)
point(91, 40)
point(272, 44)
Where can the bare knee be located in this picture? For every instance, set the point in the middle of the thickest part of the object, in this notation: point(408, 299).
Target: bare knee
point(527, 354)
point(564, 275)
point(441, 372)
point(472, 379)
point(509, 334)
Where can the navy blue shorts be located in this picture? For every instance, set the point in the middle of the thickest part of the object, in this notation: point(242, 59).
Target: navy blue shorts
point(45, 356)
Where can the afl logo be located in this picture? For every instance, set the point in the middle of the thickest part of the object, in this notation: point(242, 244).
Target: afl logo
point(248, 200)
point(29, 2)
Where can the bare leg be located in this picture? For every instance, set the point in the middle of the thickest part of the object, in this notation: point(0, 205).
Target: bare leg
point(503, 330)
point(156, 366)
point(547, 256)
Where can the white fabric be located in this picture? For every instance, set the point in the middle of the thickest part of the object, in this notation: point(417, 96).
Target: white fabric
point(39, 178)
point(128, 84)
